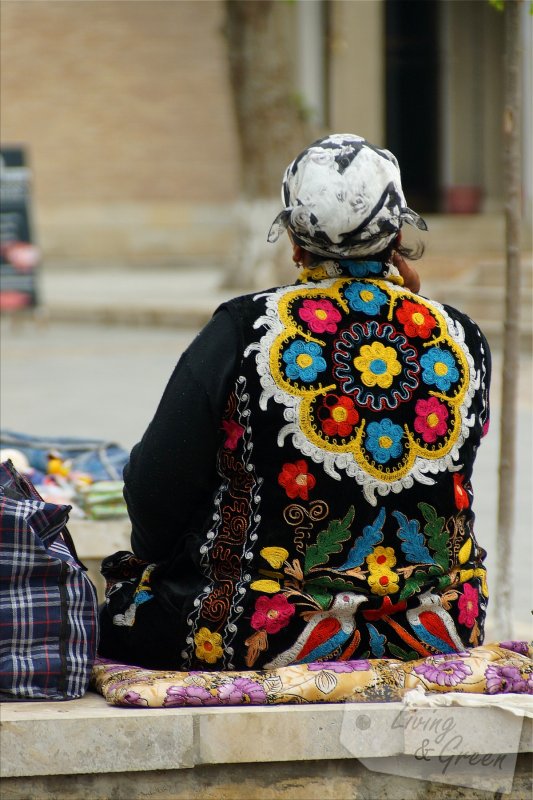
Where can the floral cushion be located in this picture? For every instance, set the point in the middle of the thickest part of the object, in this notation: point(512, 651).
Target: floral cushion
point(489, 669)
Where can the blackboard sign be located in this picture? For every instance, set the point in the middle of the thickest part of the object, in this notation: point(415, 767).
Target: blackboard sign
point(19, 258)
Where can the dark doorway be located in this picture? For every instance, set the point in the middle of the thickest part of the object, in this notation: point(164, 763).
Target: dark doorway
point(412, 97)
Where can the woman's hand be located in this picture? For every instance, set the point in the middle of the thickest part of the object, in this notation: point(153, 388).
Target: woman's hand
point(409, 274)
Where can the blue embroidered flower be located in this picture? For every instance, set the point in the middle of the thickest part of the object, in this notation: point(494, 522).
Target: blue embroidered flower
point(304, 361)
point(383, 440)
point(365, 297)
point(439, 368)
point(361, 269)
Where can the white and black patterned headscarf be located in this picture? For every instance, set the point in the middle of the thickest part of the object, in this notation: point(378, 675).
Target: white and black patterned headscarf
point(343, 198)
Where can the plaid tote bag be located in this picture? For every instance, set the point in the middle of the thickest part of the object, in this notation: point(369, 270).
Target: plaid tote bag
point(48, 605)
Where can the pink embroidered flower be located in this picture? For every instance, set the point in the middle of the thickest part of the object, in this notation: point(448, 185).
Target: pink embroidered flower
point(296, 480)
point(444, 672)
point(271, 613)
point(321, 315)
point(431, 419)
point(468, 606)
point(340, 666)
point(233, 431)
point(501, 680)
point(189, 696)
point(240, 691)
point(338, 415)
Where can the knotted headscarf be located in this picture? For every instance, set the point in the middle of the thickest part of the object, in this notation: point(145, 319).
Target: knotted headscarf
point(343, 198)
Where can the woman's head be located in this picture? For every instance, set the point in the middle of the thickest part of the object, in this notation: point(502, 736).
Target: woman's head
point(343, 198)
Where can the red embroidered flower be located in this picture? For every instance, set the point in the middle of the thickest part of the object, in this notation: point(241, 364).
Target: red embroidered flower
point(468, 606)
point(461, 496)
point(320, 315)
point(271, 613)
point(416, 319)
point(431, 419)
point(296, 480)
point(233, 431)
point(338, 415)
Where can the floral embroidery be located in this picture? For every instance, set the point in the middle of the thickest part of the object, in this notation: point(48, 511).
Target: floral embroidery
point(272, 613)
point(431, 419)
point(265, 586)
point(362, 269)
point(382, 580)
point(391, 348)
point(468, 606)
point(416, 319)
point(337, 415)
point(383, 440)
point(378, 365)
point(443, 672)
point(381, 558)
point(461, 496)
point(304, 361)
point(208, 645)
point(233, 431)
point(296, 480)
point(365, 297)
point(275, 556)
point(320, 315)
point(439, 368)
point(241, 690)
point(305, 374)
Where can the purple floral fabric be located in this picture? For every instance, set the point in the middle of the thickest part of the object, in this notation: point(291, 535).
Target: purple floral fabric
point(489, 669)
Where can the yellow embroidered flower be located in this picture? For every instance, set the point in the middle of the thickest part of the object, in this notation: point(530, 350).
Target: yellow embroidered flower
point(208, 645)
point(381, 559)
point(383, 582)
point(377, 364)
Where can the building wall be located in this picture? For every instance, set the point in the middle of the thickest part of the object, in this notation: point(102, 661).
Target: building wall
point(357, 82)
point(126, 111)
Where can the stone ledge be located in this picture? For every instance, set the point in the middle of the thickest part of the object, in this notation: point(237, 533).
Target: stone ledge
point(87, 736)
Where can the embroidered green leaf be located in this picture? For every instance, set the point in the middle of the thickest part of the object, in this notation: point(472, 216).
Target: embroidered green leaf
point(329, 584)
point(437, 535)
point(320, 596)
point(405, 655)
point(444, 581)
point(413, 584)
point(329, 541)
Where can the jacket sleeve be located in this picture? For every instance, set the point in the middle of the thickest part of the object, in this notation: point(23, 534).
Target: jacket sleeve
point(172, 470)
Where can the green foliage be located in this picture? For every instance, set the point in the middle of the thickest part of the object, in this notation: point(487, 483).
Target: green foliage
point(413, 584)
point(437, 535)
point(321, 596)
point(497, 4)
point(404, 655)
point(329, 541)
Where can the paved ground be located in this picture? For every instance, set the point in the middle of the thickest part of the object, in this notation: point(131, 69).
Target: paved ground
point(104, 380)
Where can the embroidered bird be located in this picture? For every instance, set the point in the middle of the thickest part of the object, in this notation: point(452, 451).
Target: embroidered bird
point(324, 633)
point(433, 625)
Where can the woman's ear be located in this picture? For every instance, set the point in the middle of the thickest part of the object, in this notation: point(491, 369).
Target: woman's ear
point(297, 253)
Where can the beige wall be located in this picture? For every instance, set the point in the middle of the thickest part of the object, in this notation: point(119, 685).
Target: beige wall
point(126, 112)
point(357, 83)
